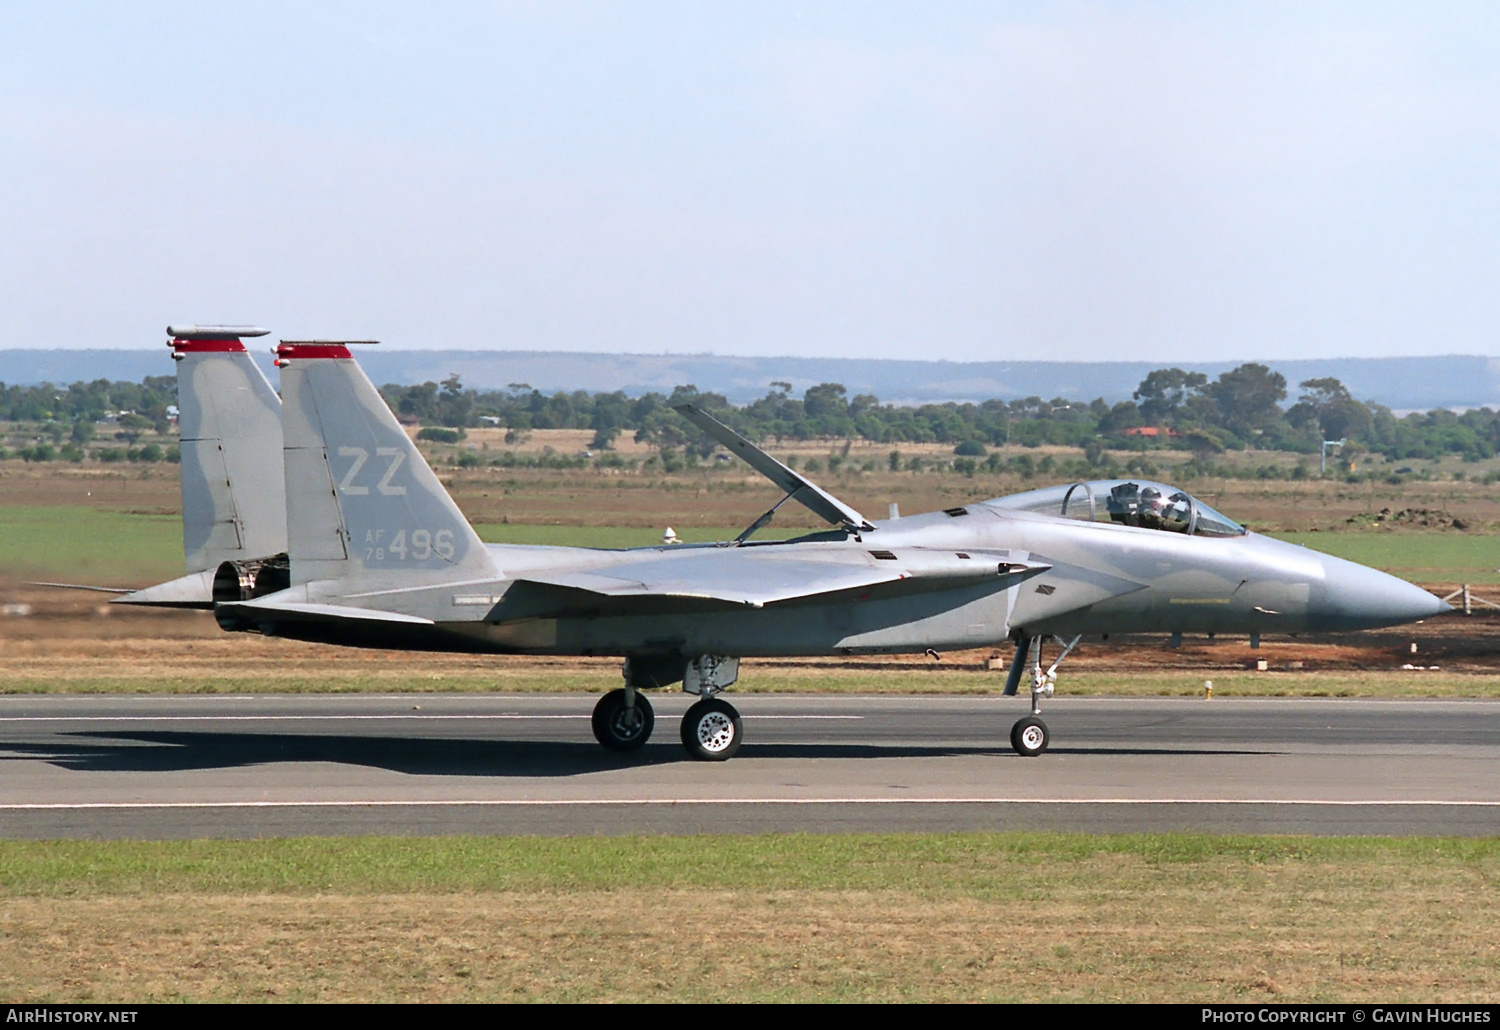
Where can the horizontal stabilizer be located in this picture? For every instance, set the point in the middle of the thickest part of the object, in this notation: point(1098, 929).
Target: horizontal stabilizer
point(299, 611)
point(83, 586)
point(806, 493)
point(195, 590)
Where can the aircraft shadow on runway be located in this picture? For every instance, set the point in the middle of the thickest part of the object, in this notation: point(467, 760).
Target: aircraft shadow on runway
point(179, 751)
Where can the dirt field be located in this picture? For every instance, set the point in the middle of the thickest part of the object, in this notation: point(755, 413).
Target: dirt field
point(730, 495)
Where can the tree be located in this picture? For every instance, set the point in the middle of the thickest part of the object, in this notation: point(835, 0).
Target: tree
point(1327, 405)
point(825, 399)
point(419, 402)
point(1163, 392)
point(1249, 398)
point(455, 405)
point(1122, 416)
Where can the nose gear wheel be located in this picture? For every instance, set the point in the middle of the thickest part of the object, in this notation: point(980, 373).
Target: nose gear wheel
point(1029, 736)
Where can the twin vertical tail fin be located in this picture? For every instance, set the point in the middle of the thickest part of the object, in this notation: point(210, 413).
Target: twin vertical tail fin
point(361, 499)
point(233, 499)
point(229, 423)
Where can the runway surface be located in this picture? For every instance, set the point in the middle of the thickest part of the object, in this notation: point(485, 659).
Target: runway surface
point(172, 767)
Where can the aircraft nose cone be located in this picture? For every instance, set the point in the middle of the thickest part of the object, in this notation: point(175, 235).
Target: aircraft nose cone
point(1357, 597)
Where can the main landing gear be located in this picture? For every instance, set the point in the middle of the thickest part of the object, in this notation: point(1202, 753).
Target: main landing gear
point(711, 728)
point(623, 719)
point(1030, 736)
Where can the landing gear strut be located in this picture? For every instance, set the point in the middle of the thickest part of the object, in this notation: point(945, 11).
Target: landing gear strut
point(1030, 736)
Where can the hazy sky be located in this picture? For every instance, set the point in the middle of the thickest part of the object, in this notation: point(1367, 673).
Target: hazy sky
point(968, 181)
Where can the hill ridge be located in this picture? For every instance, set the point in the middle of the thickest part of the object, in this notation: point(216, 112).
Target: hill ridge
point(1402, 383)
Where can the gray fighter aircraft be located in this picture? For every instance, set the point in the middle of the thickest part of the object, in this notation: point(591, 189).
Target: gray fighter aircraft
point(380, 556)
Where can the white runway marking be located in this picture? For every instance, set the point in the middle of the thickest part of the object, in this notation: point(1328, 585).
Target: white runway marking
point(268, 718)
point(663, 802)
point(344, 718)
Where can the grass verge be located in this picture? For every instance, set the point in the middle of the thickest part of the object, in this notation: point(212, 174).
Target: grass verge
point(108, 548)
point(90, 544)
point(899, 917)
point(84, 545)
point(1418, 557)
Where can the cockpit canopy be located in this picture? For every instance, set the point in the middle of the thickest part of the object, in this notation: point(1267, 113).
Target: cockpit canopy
point(1127, 502)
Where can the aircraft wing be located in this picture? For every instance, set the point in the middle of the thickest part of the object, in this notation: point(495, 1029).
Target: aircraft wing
point(804, 492)
point(740, 577)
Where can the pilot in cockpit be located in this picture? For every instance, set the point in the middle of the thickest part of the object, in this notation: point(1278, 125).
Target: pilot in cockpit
point(1146, 506)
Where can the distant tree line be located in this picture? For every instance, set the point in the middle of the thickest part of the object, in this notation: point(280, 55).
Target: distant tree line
point(92, 401)
point(1244, 408)
point(67, 417)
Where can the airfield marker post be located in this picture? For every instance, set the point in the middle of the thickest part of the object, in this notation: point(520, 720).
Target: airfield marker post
point(1323, 454)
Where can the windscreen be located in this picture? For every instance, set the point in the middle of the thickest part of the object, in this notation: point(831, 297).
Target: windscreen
point(1126, 502)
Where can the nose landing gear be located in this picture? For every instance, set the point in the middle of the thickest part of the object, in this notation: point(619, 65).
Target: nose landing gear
point(1030, 736)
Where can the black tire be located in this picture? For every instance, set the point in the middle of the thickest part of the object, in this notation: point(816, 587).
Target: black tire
point(711, 731)
point(614, 730)
point(1029, 736)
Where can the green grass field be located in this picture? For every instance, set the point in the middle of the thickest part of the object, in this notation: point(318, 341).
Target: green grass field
point(85, 545)
point(978, 863)
point(1419, 557)
point(113, 548)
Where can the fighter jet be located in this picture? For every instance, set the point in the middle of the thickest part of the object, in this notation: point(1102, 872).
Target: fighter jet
point(233, 499)
point(380, 556)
